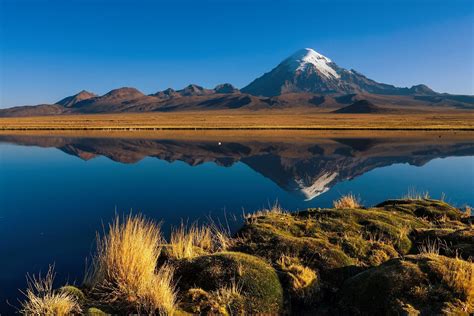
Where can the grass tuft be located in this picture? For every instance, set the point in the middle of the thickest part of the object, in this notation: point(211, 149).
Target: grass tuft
point(431, 246)
point(190, 242)
point(123, 272)
point(41, 299)
point(276, 209)
point(413, 194)
point(303, 281)
point(458, 275)
point(347, 201)
point(467, 210)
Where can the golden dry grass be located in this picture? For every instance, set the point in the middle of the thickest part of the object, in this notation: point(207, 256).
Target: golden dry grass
point(193, 241)
point(347, 201)
point(226, 300)
point(413, 194)
point(276, 209)
point(124, 269)
point(301, 278)
point(244, 120)
point(42, 300)
point(189, 242)
point(429, 246)
point(458, 275)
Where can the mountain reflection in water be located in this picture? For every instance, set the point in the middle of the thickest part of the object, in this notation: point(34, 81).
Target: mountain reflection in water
point(308, 167)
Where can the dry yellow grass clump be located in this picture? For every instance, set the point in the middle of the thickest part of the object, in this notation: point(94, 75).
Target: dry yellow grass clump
point(303, 280)
point(226, 300)
point(459, 276)
point(413, 194)
point(347, 201)
point(189, 242)
point(193, 241)
point(276, 210)
point(124, 269)
point(42, 300)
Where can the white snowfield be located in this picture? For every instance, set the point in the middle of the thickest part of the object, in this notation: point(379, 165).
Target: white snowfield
point(300, 61)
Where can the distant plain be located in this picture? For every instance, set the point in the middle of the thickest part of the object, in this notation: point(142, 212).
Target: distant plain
point(245, 119)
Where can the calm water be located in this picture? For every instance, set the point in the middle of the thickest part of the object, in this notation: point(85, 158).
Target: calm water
point(56, 192)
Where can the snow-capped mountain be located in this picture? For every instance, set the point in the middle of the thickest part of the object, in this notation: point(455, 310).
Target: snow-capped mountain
point(309, 71)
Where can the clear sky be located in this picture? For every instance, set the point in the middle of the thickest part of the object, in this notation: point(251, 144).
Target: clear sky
point(53, 48)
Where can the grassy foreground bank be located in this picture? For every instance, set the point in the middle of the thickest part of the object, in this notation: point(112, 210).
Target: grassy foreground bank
point(405, 257)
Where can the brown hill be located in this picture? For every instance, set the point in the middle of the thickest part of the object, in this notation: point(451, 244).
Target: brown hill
point(72, 100)
point(361, 106)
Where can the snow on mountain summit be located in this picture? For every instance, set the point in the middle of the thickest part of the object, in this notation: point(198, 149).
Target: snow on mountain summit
point(303, 58)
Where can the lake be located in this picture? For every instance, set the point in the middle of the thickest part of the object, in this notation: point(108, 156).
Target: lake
point(57, 191)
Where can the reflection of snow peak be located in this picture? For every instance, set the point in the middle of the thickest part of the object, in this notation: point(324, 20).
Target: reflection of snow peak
point(320, 186)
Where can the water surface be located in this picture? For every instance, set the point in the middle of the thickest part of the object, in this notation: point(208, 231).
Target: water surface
point(57, 191)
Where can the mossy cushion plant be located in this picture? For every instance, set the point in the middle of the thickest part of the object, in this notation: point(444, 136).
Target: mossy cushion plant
point(257, 280)
point(429, 284)
point(75, 292)
point(425, 208)
point(93, 311)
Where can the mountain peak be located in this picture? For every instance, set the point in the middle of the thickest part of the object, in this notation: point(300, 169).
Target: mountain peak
point(311, 72)
point(125, 93)
point(193, 90)
point(307, 57)
point(225, 88)
point(78, 97)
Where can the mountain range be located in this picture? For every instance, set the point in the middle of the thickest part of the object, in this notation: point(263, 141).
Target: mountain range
point(306, 79)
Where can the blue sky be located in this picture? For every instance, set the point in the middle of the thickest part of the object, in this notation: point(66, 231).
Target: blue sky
point(51, 49)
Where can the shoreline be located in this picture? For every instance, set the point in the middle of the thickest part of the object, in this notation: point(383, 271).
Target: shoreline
point(266, 128)
point(243, 120)
point(242, 135)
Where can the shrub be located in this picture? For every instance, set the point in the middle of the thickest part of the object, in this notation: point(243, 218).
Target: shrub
point(42, 300)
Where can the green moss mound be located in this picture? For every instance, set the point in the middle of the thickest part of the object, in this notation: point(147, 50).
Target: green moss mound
point(93, 311)
point(425, 208)
point(341, 243)
point(257, 280)
point(75, 292)
point(427, 284)
point(336, 243)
